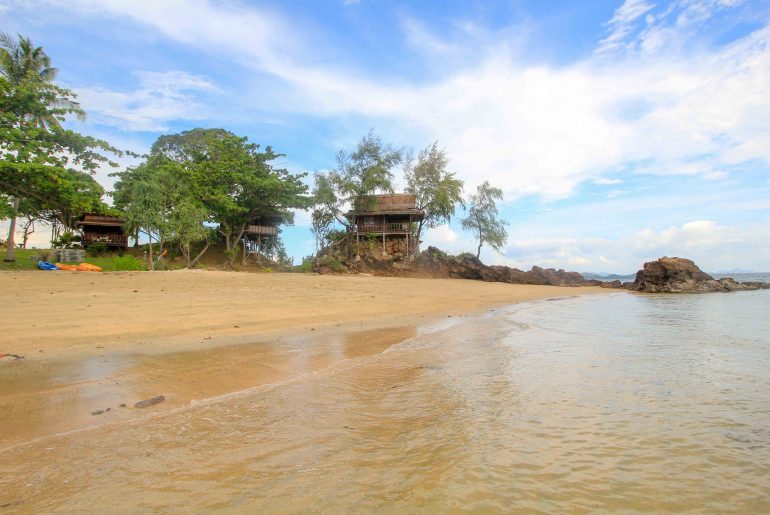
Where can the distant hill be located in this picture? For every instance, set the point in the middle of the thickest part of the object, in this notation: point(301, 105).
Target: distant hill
point(734, 271)
point(599, 276)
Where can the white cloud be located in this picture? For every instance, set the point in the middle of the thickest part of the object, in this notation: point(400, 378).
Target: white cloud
point(711, 245)
point(602, 181)
point(160, 98)
point(528, 129)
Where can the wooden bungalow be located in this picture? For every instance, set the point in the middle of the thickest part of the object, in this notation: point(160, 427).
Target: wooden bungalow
point(257, 231)
point(390, 218)
point(103, 229)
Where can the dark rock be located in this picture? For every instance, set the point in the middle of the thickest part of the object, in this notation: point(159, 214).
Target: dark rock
point(97, 412)
point(611, 284)
point(679, 275)
point(435, 263)
point(150, 402)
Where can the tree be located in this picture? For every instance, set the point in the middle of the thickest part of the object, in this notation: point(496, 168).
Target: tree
point(208, 175)
point(366, 171)
point(235, 181)
point(437, 191)
point(37, 155)
point(482, 218)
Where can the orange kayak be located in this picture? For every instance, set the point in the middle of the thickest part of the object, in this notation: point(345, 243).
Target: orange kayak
point(82, 267)
point(62, 266)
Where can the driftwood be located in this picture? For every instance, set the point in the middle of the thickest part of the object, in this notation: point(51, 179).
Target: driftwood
point(8, 354)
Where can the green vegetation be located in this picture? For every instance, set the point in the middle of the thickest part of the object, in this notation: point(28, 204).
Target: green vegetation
point(482, 218)
point(437, 191)
point(364, 172)
point(45, 170)
point(26, 259)
point(207, 176)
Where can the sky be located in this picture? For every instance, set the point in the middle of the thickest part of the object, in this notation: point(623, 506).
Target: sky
point(619, 131)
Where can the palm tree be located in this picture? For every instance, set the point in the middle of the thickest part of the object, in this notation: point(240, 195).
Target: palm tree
point(22, 62)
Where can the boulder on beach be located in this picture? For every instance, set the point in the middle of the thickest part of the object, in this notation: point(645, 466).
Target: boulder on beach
point(680, 275)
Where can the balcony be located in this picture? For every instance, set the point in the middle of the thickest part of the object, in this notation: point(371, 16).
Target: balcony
point(389, 228)
point(112, 240)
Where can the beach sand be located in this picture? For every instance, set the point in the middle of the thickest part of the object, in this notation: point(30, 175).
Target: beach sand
point(101, 342)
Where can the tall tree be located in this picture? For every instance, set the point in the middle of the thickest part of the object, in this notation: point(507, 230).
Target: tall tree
point(366, 171)
point(215, 176)
point(482, 218)
point(36, 153)
point(437, 191)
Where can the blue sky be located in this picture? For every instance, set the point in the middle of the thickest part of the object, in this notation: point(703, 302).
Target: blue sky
point(619, 131)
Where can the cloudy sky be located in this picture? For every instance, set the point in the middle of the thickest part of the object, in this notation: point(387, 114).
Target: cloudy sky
point(619, 131)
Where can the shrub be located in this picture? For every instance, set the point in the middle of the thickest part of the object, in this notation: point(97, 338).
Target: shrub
point(96, 249)
point(128, 263)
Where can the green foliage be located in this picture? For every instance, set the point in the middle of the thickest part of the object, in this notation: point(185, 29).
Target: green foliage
point(209, 175)
point(97, 249)
point(41, 163)
point(437, 191)
point(127, 263)
point(482, 218)
point(332, 263)
point(66, 240)
point(366, 171)
point(306, 267)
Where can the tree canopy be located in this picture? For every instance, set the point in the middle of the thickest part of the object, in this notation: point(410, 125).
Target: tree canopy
point(207, 175)
point(436, 190)
point(482, 218)
point(40, 160)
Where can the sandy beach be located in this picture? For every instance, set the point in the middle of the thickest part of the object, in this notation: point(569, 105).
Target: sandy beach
point(98, 342)
point(59, 314)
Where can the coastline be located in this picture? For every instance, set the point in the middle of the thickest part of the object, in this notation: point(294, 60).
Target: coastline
point(95, 344)
point(59, 314)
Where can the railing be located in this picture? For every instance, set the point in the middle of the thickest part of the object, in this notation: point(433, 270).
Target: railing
point(262, 229)
point(391, 227)
point(110, 239)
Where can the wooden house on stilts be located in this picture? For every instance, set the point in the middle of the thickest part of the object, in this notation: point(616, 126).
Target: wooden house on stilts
point(385, 224)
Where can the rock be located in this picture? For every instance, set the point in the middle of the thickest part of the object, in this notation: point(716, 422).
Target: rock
point(434, 263)
point(97, 412)
point(611, 284)
point(679, 275)
point(150, 402)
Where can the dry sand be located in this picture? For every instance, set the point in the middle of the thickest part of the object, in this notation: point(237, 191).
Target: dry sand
point(63, 313)
point(98, 343)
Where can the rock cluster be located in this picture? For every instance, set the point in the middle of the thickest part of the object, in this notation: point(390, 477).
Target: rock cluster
point(434, 263)
point(679, 275)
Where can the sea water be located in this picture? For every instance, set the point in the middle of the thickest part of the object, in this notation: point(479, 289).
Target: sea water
point(593, 403)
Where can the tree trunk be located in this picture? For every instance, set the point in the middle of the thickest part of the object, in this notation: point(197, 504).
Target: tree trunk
point(200, 254)
point(9, 257)
point(152, 263)
point(27, 226)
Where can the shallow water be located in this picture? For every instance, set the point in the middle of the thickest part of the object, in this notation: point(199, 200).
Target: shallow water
point(613, 402)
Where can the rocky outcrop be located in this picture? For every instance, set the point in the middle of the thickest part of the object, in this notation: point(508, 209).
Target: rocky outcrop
point(435, 263)
point(679, 275)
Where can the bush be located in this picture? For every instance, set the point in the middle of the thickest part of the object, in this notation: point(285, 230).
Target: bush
point(332, 263)
point(96, 249)
point(128, 263)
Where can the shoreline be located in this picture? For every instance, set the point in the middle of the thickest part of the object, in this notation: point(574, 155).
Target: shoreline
point(77, 373)
point(57, 314)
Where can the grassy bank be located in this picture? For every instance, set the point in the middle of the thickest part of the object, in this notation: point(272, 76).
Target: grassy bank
point(27, 260)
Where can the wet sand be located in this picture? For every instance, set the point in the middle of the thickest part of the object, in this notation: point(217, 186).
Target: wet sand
point(102, 342)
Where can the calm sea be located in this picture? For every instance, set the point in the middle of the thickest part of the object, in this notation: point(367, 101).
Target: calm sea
point(616, 402)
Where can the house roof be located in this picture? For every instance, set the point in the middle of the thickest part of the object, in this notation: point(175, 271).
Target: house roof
point(389, 204)
point(88, 219)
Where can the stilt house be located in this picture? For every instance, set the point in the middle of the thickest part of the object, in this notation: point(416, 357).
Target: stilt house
point(386, 223)
point(103, 229)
